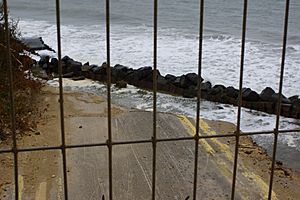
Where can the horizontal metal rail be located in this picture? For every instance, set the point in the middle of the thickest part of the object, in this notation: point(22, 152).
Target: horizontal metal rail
point(159, 140)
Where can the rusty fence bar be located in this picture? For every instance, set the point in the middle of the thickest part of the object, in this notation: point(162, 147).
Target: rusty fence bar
point(238, 126)
point(153, 140)
point(197, 134)
point(108, 69)
point(61, 100)
point(145, 141)
point(284, 41)
point(154, 136)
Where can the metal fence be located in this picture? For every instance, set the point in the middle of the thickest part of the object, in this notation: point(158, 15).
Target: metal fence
point(153, 140)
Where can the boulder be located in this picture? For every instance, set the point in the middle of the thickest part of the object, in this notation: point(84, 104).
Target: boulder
point(54, 65)
point(71, 65)
point(140, 74)
point(68, 75)
point(44, 60)
point(170, 78)
point(162, 81)
point(193, 78)
point(250, 95)
point(217, 89)
point(78, 78)
point(296, 103)
point(94, 68)
point(232, 92)
point(121, 84)
point(284, 100)
point(188, 79)
point(86, 67)
point(176, 81)
point(36, 44)
point(190, 92)
point(184, 82)
point(266, 94)
point(295, 100)
point(99, 70)
point(206, 86)
point(119, 72)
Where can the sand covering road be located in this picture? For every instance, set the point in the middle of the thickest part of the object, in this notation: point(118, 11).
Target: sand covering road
point(40, 174)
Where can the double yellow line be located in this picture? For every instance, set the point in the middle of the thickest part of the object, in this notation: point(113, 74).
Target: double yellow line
point(225, 149)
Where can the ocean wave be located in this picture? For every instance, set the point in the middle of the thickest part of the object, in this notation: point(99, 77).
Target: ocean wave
point(177, 53)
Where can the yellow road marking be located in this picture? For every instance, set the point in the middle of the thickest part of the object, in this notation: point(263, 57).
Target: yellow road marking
point(41, 192)
point(250, 175)
point(60, 189)
point(192, 131)
point(227, 151)
point(223, 147)
point(21, 186)
point(261, 184)
point(221, 165)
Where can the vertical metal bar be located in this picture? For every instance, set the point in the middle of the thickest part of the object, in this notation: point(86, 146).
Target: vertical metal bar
point(197, 134)
point(284, 41)
point(108, 69)
point(154, 141)
point(61, 100)
point(12, 100)
point(236, 153)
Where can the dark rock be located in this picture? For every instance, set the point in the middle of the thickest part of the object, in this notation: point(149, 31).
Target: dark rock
point(44, 60)
point(250, 95)
point(36, 44)
point(104, 65)
point(295, 100)
point(140, 74)
point(283, 98)
point(120, 72)
point(66, 59)
point(193, 78)
point(217, 89)
point(266, 94)
point(232, 92)
point(190, 92)
point(99, 70)
point(86, 67)
point(176, 81)
point(78, 78)
point(206, 86)
point(170, 78)
point(68, 75)
point(161, 80)
point(121, 84)
point(53, 66)
point(188, 80)
point(95, 69)
point(71, 65)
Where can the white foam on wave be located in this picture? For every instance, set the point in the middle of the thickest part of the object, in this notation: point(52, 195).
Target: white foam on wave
point(177, 53)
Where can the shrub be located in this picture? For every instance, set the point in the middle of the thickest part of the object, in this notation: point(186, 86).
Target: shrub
point(25, 87)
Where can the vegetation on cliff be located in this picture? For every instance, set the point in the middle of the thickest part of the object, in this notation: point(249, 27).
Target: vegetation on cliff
point(25, 87)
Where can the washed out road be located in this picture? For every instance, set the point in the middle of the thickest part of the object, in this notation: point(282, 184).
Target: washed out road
point(87, 168)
